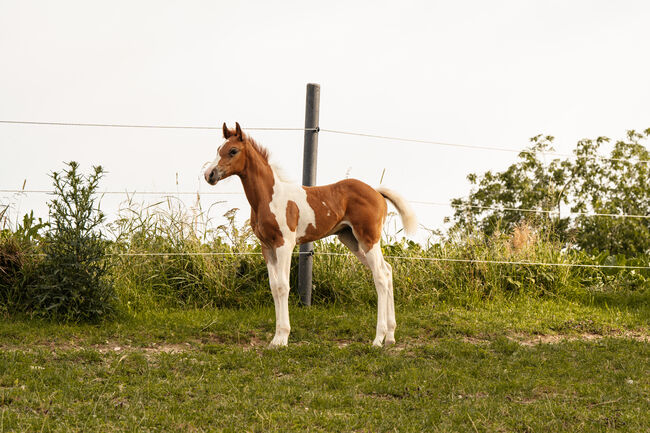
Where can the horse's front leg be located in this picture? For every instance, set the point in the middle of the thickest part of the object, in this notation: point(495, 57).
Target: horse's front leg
point(278, 262)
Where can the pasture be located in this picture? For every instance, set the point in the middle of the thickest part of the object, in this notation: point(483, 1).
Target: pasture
point(521, 364)
point(503, 332)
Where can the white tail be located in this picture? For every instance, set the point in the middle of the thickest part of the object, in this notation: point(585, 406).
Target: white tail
point(409, 221)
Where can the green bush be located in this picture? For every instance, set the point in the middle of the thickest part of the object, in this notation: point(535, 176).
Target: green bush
point(72, 281)
point(578, 187)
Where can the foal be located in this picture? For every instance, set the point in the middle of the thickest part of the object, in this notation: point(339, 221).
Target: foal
point(283, 214)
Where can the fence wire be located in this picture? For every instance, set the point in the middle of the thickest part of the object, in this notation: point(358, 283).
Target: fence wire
point(124, 125)
point(415, 258)
point(126, 192)
point(476, 147)
point(554, 211)
point(351, 256)
point(317, 129)
point(431, 203)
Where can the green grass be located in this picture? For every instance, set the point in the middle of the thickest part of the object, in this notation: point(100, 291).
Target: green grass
point(480, 347)
point(458, 368)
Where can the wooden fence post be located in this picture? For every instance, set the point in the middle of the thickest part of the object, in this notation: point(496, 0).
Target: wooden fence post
point(305, 259)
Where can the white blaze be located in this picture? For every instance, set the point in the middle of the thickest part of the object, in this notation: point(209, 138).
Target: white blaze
point(213, 164)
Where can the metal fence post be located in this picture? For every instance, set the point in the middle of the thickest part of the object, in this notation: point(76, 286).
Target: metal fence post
point(305, 259)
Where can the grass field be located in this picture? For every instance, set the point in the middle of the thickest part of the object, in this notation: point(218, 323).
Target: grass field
point(514, 365)
point(515, 331)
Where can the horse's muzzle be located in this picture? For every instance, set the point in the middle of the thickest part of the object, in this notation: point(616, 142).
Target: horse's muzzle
point(212, 175)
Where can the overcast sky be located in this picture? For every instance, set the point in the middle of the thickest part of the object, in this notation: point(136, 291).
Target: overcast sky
point(475, 72)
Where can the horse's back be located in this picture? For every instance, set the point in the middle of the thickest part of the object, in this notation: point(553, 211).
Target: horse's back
point(347, 192)
point(348, 202)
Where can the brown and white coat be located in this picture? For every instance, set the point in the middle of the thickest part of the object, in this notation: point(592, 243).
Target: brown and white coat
point(284, 214)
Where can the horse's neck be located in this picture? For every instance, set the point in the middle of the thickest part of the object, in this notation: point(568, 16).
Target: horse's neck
point(258, 181)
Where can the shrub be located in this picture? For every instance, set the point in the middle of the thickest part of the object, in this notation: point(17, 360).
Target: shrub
point(587, 184)
point(71, 278)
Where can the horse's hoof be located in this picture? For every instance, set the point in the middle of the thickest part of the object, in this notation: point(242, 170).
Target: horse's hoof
point(278, 342)
point(276, 346)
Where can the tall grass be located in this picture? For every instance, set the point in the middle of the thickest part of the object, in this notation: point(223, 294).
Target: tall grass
point(161, 255)
point(237, 275)
point(18, 263)
point(169, 256)
point(439, 271)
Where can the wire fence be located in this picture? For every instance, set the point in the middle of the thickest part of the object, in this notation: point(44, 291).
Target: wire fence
point(516, 209)
point(474, 147)
point(332, 131)
point(430, 203)
point(126, 192)
point(358, 134)
point(124, 125)
point(351, 256)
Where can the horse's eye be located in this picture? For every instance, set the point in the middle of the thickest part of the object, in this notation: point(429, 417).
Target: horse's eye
point(233, 151)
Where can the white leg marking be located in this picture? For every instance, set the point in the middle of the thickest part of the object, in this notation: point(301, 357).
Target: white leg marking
point(376, 262)
point(279, 281)
point(390, 308)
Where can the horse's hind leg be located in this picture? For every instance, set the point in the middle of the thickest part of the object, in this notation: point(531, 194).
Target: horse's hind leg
point(376, 264)
point(347, 238)
point(383, 277)
point(390, 307)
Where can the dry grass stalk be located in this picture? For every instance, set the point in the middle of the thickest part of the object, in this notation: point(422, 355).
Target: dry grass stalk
point(523, 237)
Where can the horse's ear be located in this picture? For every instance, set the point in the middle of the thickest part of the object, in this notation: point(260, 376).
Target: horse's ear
point(226, 131)
point(240, 135)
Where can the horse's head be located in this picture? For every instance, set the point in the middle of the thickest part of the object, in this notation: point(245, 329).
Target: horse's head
point(231, 156)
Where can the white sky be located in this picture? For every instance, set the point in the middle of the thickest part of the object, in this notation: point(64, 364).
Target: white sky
point(475, 72)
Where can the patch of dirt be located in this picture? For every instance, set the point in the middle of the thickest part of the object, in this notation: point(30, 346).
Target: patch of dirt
point(528, 340)
point(254, 342)
point(475, 340)
point(153, 349)
point(379, 396)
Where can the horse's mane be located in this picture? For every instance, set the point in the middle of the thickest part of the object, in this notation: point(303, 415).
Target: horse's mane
point(263, 151)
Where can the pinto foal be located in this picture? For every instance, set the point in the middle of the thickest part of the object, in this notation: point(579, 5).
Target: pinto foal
point(283, 214)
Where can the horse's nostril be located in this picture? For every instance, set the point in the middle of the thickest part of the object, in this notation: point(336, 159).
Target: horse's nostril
point(213, 176)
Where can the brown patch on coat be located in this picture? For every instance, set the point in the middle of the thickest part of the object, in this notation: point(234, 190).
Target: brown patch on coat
point(347, 202)
point(292, 215)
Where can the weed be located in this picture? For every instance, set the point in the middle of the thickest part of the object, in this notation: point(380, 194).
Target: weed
point(71, 277)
